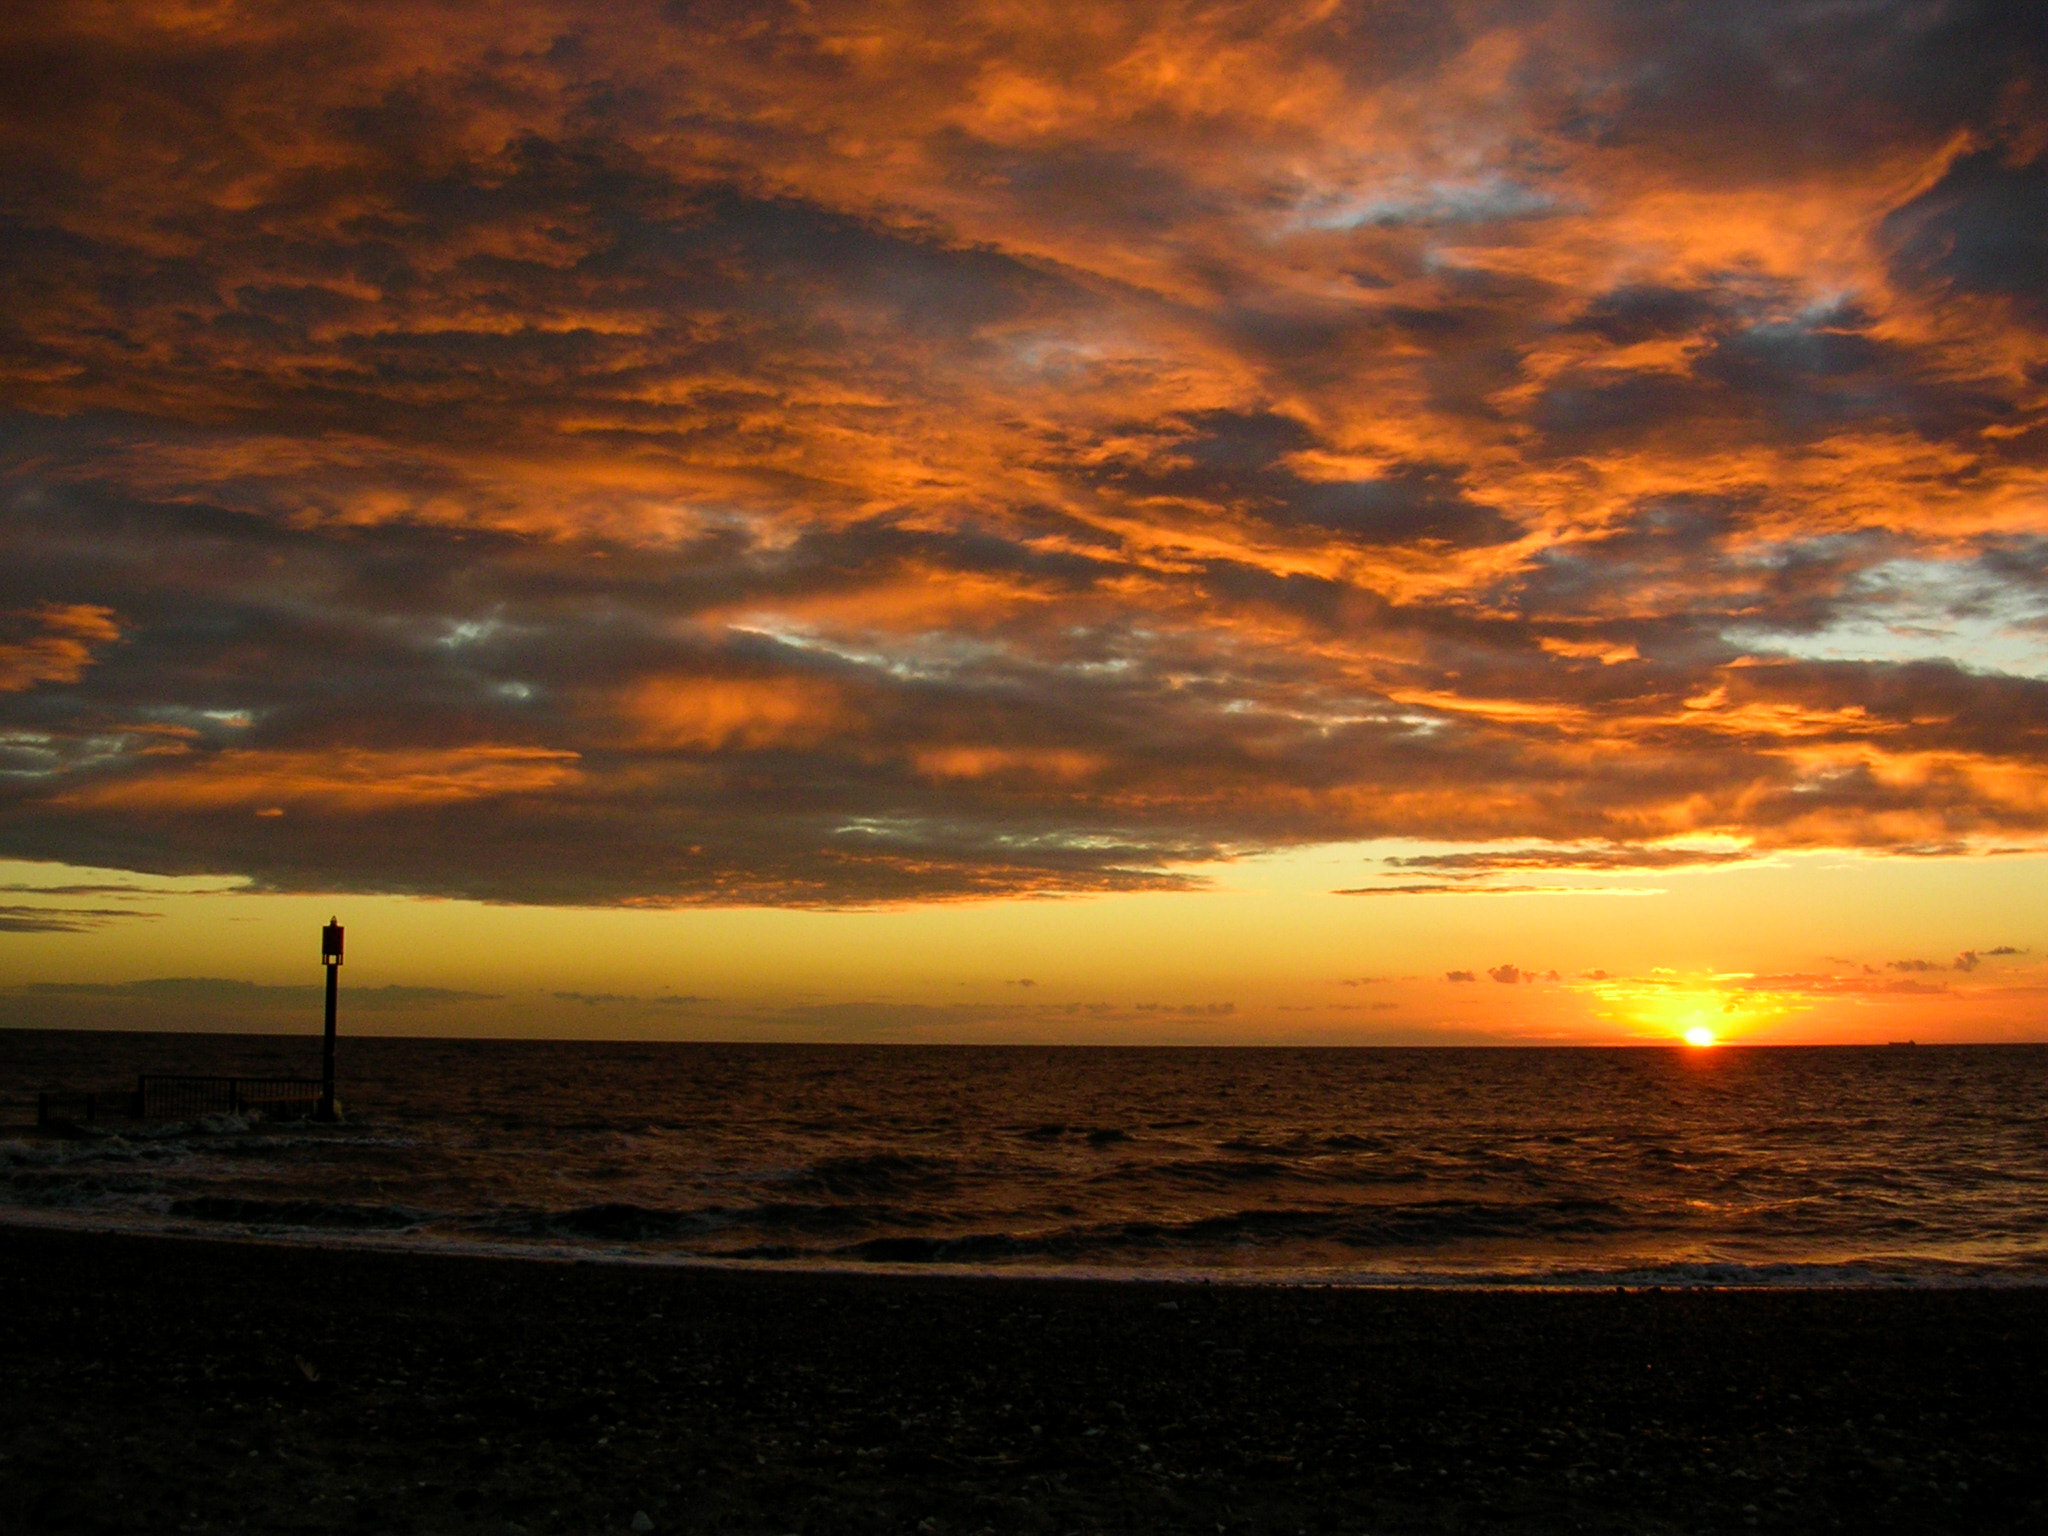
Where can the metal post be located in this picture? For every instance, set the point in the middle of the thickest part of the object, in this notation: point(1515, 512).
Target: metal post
point(330, 956)
point(327, 1047)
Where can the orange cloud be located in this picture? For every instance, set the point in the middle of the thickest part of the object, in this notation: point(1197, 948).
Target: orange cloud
point(716, 714)
point(973, 449)
point(351, 781)
point(53, 643)
point(1007, 762)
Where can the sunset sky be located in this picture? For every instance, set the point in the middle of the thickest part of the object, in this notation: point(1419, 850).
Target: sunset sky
point(1369, 522)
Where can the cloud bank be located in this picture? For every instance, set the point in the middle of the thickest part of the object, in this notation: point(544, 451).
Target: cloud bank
point(840, 454)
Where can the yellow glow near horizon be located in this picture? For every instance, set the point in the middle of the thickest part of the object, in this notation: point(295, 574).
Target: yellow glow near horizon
point(1696, 1009)
point(1811, 950)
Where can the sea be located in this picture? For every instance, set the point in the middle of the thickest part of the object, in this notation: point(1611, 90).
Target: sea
point(1901, 1165)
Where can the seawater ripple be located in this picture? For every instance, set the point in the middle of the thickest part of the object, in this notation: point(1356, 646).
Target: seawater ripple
point(1929, 1162)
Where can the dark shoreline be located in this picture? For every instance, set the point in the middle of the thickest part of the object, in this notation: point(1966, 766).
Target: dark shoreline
point(170, 1383)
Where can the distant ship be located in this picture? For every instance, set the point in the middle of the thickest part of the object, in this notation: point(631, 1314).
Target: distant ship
point(1902, 1042)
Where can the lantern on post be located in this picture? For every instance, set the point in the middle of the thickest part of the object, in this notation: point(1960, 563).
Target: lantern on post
point(330, 956)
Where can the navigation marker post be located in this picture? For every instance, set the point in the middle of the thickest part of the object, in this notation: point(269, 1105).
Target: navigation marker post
point(330, 956)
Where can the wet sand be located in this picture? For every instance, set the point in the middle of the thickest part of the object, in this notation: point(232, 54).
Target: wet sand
point(169, 1384)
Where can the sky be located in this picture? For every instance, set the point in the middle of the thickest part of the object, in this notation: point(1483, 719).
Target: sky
point(1327, 523)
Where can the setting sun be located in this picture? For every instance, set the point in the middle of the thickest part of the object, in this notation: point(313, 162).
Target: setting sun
point(1699, 1034)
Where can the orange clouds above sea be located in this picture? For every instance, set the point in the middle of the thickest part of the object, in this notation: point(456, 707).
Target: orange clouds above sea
point(878, 454)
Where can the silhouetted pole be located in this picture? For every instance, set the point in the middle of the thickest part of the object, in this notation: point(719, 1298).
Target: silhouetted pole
point(330, 956)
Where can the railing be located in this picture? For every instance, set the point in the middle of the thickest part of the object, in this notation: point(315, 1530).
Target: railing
point(162, 1096)
point(159, 1096)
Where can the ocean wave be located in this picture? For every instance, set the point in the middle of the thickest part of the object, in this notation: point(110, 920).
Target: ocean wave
point(793, 1216)
point(337, 1214)
point(612, 1221)
point(1209, 1172)
point(969, 1248)
point(75, 1191)
point(876, 1173)
point(622, 1222)
point(1221, 1173)
point(1416, 1226)
point(1264, 1163)
point(1093, 1135)
point(70, 1153)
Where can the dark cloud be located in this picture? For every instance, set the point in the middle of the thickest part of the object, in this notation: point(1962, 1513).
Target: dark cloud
point(188, 992)
point(1479, 864)
point(635, 456)
point(1867, 983)
point(20, 918)
point(1981, 229)
point(1901, 986)
point(633, 999)
point(1235, 463)
point(1970, 959)
point(17, 888)
point(1806, 90)
point(1645, 312)
point(1444, 889)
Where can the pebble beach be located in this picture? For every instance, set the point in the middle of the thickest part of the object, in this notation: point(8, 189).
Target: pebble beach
point(162, 1383)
